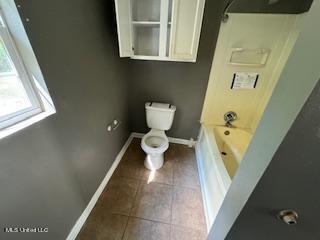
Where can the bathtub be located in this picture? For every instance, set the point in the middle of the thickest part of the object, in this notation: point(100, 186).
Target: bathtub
point(232, 144)
point(219, 152)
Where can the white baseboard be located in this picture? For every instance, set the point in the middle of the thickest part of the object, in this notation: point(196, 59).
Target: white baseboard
point(85, 214)
point(190, 143)
point(137, 135)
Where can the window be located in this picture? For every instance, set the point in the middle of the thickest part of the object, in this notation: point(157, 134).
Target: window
point(21, 97)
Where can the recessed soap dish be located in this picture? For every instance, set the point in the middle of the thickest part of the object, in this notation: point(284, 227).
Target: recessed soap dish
point(249, 57)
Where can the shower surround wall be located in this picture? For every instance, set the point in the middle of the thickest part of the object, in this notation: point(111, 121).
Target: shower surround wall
point(277, 34)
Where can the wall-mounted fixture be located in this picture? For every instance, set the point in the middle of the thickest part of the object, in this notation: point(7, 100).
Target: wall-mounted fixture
point(244, 80)
point(225, 15)
point(288, 216)
point(271, 2)
point(249, 57)
point(167, 30)
point(113, 125)
point(229, 117)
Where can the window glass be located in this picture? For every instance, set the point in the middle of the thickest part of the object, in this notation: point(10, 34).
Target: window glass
point(13, 96)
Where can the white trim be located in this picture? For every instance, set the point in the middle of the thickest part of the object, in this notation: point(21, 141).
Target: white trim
point(124, 18)
point(25, 123)
point(157, 58)
point(146, 23)
point(85, 214)
point(41, 102)
point(18, 116)
point(19, 71)
point(202, 183)
point(137, 135)
point(164, 9)
point(214, 182)
point(17, 64)
point(193, 32)
point(190, 143)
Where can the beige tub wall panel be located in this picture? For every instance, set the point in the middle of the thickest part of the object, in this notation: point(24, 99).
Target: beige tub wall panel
point(276, 32)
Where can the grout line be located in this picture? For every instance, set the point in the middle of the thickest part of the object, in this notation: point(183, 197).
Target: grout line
point(162, 183)
point(172, 195)
point(135, 198)
point(133, 201)
point(150, 220)
point(125, 228)
point(157, 221)
point(171, 224)
point(141, 182)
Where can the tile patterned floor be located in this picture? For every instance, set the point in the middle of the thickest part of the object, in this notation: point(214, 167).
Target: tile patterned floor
point(139, 205)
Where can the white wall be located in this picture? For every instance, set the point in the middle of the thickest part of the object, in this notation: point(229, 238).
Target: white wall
point(275, 32)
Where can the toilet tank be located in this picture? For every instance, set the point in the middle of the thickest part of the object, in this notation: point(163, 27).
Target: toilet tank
point(159, 115)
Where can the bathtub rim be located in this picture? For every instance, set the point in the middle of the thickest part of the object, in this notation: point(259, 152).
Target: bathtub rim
point(224, 180)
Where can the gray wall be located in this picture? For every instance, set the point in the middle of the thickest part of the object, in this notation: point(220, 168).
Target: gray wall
point(291, 181)
point(276, 6)
point(50, 170)
point(181, 84)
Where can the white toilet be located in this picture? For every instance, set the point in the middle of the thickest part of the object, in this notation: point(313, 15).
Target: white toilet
point(155, 142)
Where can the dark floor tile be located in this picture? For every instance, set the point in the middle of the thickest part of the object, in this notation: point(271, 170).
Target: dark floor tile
point(134, 149)
point(118, 196)
point(162, 175)
point(182, 233)
point(140, 229)
point(128, 170)
point(136, 191)
point(132, 163)
point(173, 152)
point(187, 208)
point(185, 174)
point(185, 170)
point(153, 202)
point(103, 227)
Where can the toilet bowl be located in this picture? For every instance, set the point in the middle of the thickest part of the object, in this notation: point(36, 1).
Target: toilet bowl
point(159, 118)
point(154, 144)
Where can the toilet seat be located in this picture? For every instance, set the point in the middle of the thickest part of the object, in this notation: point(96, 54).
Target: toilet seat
point(155, 142)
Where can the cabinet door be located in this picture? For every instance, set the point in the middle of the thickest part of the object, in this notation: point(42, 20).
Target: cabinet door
point(123, 12)
point(186, 27)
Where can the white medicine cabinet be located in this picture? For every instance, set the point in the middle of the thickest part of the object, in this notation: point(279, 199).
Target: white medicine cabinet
point(167, 30)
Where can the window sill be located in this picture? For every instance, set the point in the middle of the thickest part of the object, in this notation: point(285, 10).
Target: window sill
point(25, 123)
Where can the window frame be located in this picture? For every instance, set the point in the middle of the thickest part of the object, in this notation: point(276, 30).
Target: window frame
point(27, 82)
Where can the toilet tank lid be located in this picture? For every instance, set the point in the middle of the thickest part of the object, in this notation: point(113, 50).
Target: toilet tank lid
point(160, 106)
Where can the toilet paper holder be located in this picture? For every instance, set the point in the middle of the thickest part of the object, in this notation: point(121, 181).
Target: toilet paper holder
point(113, 125)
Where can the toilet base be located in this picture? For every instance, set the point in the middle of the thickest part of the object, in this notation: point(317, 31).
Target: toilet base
point(153, 161)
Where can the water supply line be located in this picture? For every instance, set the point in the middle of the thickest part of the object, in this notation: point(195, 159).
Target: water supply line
point(225, 15)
